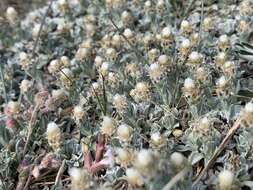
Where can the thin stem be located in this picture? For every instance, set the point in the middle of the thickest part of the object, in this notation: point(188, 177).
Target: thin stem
point(3, 83)
point(30, 127)
point(175, 179)
point(60, 172)
point(201, 24)
point(221, 147)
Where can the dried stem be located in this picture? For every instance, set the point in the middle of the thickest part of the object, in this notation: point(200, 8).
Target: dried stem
point(3, 83)
point(221, 147)
point(175, 179)
point(138, 53)
point(60, 172)
point(30, 127)
point(201, 23)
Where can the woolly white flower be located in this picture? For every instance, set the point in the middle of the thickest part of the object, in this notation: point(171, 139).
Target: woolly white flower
point(249, 107)
point(189, 84)
point(185, 26)
point(155, 72)
point(119, 102)
point(13, 107)
point(177, 159)
point(195, 57)
point(124, 132)
point(11, 15)
point(166, 32)
point(53, 135)
point(104, 69)
point(25, 85)
point(108, 126)
point(78, 112)
point(226, 179)
point(133, 177)
point(124, 157)
point(54, 66)
point(79, 179)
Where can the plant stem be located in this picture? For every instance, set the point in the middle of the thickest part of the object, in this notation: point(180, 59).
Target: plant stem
point(175, 179)
point(221, 147)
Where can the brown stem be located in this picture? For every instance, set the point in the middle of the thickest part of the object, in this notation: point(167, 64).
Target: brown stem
point(175, 179)
point(221, 147)
point(100, 148)
point(30, 127)
point(60, 172)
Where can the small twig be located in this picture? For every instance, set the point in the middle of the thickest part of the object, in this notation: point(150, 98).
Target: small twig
point(104, 95)
point(175, 179)
point(188, 9)
point(138, 53)
point(30, 127)
point(41, 27)
point(201, 23)
point(223, 144)
point(60, 172)
point(36, 42)
point(3, 83)
point(28, 181)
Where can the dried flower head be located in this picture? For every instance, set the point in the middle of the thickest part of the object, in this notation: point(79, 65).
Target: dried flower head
point(141, 92)
point(120, 103)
